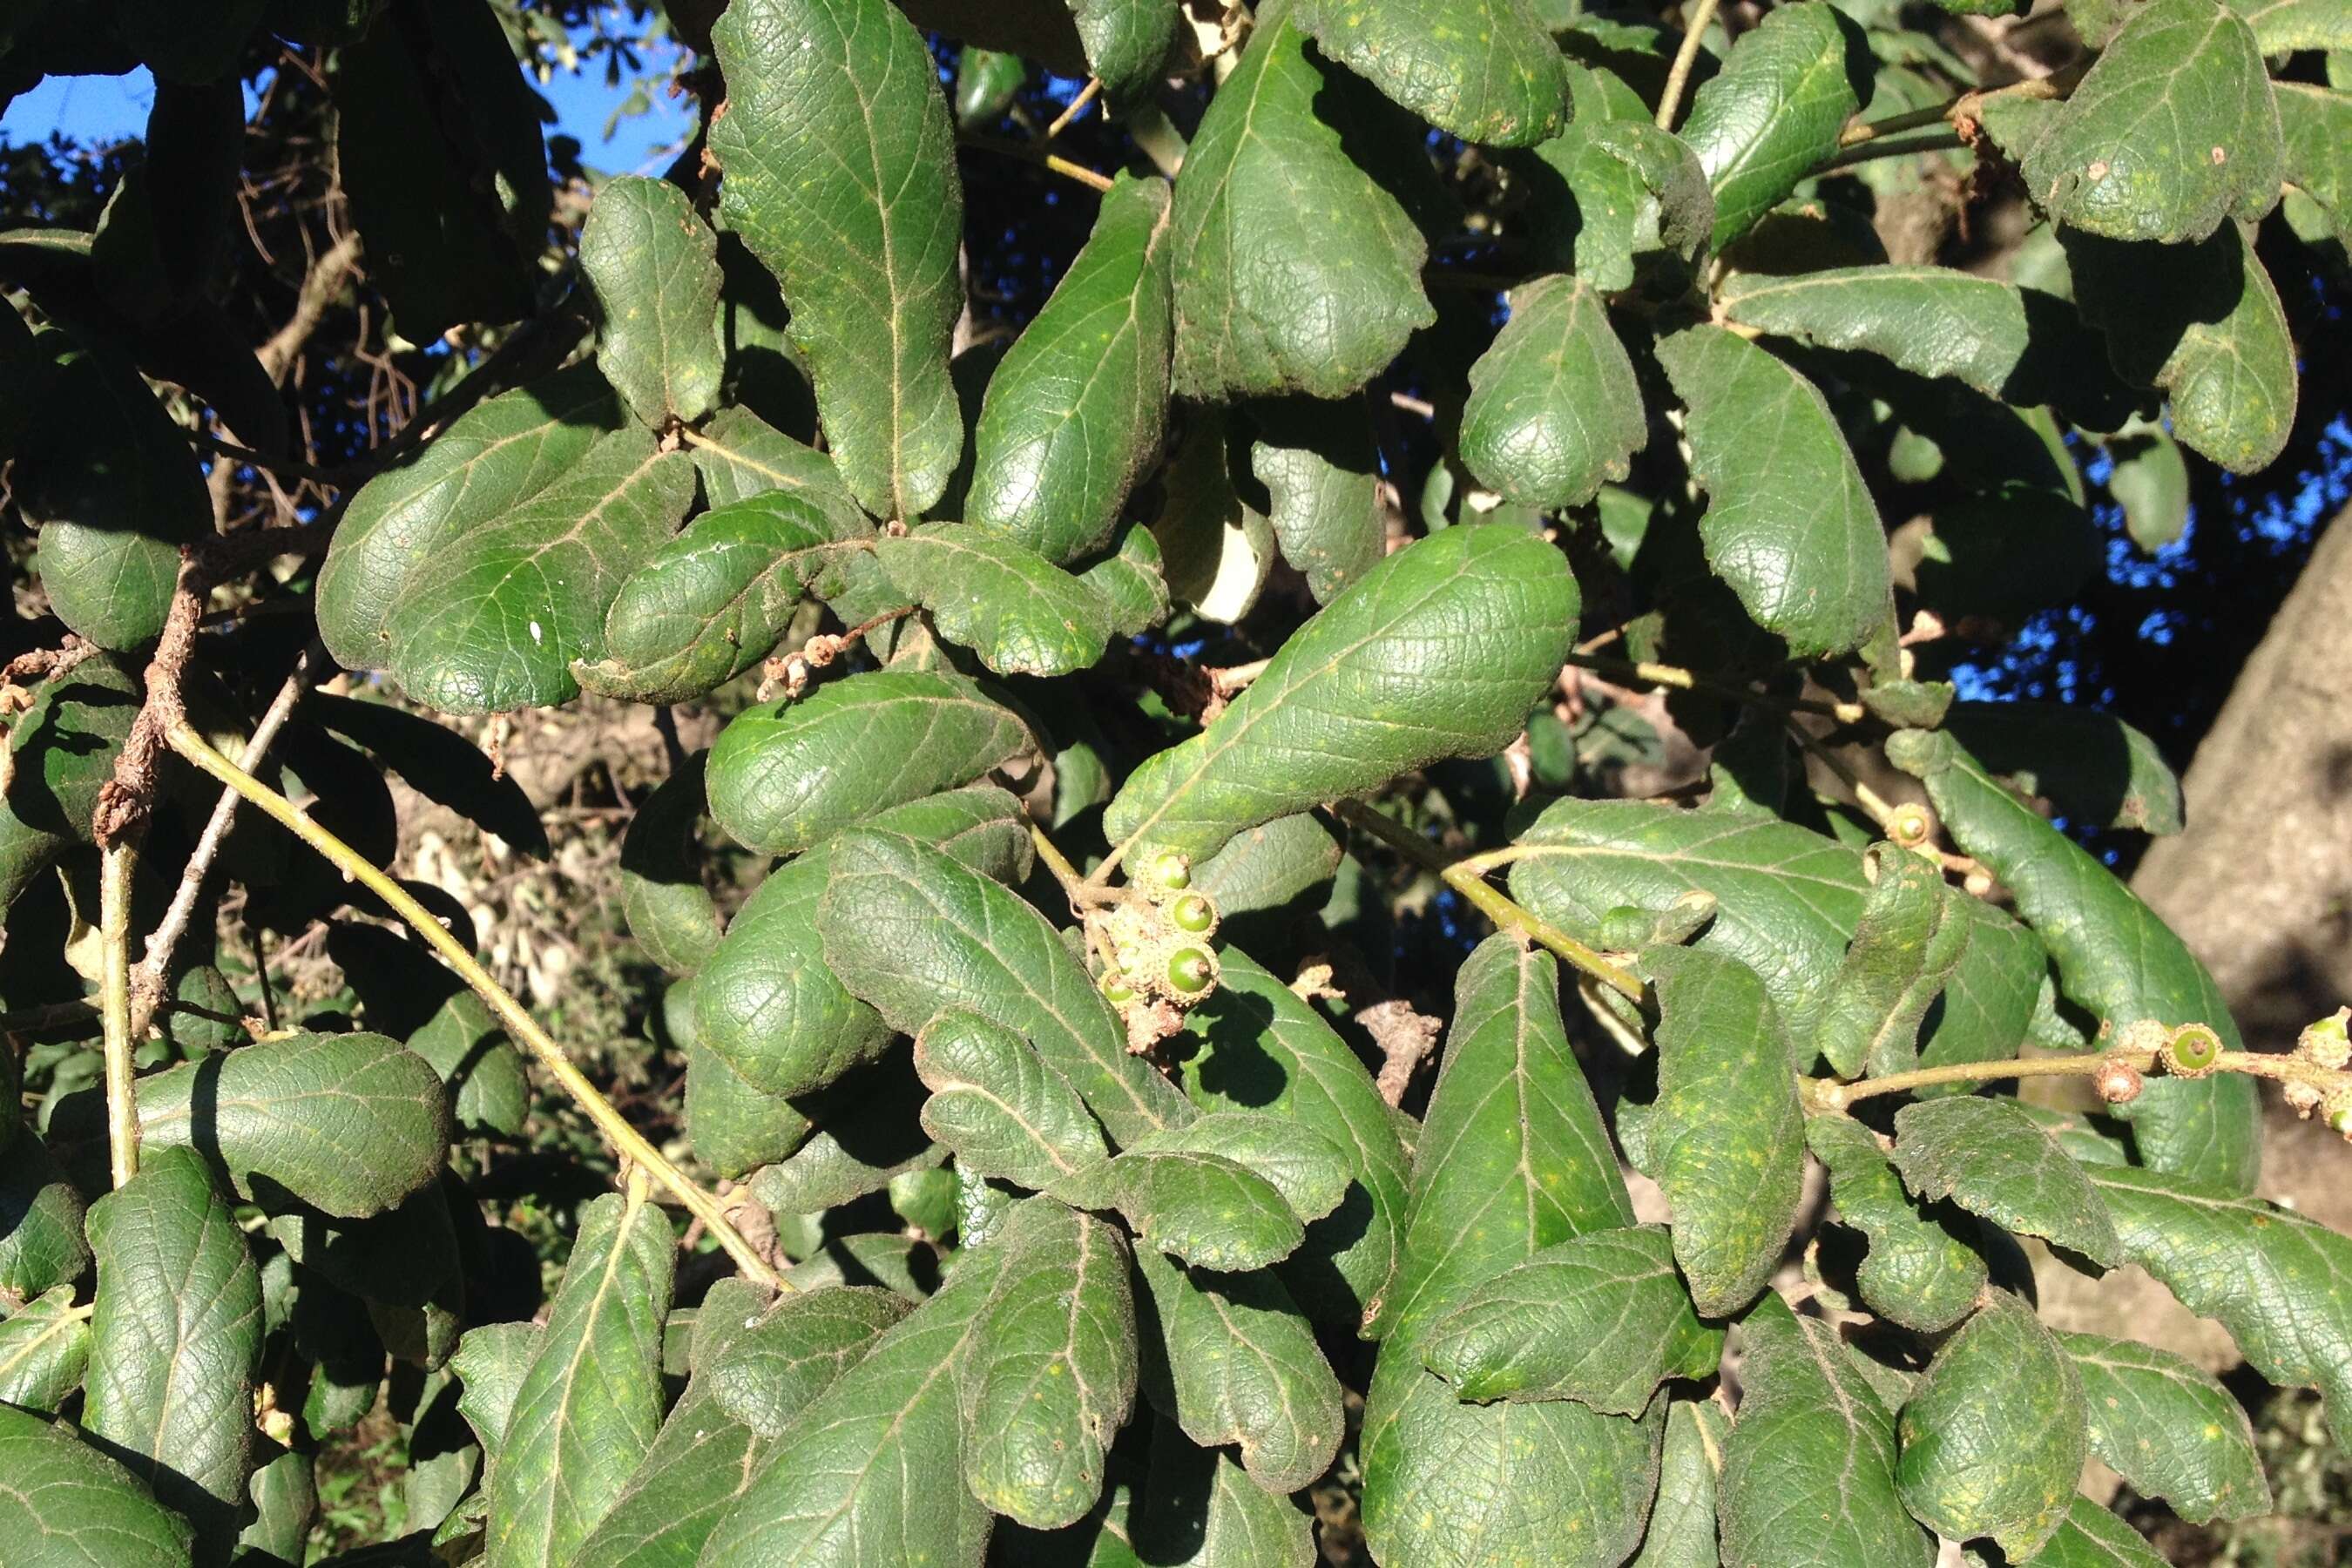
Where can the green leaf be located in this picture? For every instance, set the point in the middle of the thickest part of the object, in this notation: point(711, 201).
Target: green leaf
point(986, 82)
point(44, 1348)
point(2151, 482)
point(590, 1405)
point(1053, 1374)
point(766, 1002)
point(1439, 651)
point(787, 773)
point(1486, 70)
point(2091, 765)
point(437, 763)
point(113, 487)
point(735, 1128)
point(1207, 1209)
point(870, 1473)
point(491, 1361)
point(476, 574)
point(1920, 1270)
point(68, 1506)
point(1631, 190)
point(1682, 1519)
point(1809, 1472)
point(764, 1374)
point(1554, 410)
point(1294, 271)
point(350, 1124)
point(1269, 866)
point(1603, 1319)
point(61, 751)
point(915, 934)
point(1126, 42)
point(1913, 932)
point(1991, 1160)
point(1726, 1135)
point(175, 1341)
point(285, 1499)
point(2172, 133)
point(1231, 1359)
point(1074, 415)
point(1993, 1435)
point(866, 1136)
point(715, 598)
point(2317, 122)
point(1130, 582)
point(439, 150)
point(2115, 958)
point(1321, 474)
point(1216, 547)
point(2169, 1428)
point(2020, 345)
point(740, 455)
point(2277, 1281)
point(2091, 1537)
point(653, 265)
point(1200, 1511)
point(41, 1244)
point(1261, 1047)
point(1302, 1164)
point(669, 910)
point(2204, 323)
point(1774, 111)
point(1021, 614)
point(998, 1108)
point(1788, 524)
point(840, 174)
point(1512, 1159)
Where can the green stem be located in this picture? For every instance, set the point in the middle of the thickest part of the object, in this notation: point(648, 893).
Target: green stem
point(1916, 118)
point(1506, 912)
point(1831, 1095)
point(1678, 75)
point(114, 1009)
point(631, 1143)
point(1947, 139)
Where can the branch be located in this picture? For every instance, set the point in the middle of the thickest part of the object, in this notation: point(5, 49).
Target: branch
point(625, 1138)
point(114, 1009)
point(1678, 76)
point(1830, 1095)
point(320, 287)
point(1506, 912)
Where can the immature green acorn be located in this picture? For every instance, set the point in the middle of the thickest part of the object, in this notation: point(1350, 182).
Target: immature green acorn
point(1170, 872)
point(1190, 971)
point(1194, 914)
point(2192, 1050)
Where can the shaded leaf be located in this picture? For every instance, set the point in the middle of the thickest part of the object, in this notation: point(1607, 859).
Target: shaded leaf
point(1788, 524)
point(763, 1371)
point(2169, 1428)
point(2204, 323)
point(1809, 1472)
point(437, 763)
point(61, 751)
point(1131, 584)
point(492, 1362)
point(590, 1406)
point(785, 774)
point(2115, 958)
point(1294, 271)
point(1993, 1435)
point(1991, 1161)
point(1270, 865)
point(1554, 410)
point(175, 1341)
point(350, 1124)
point(1302, 1164)
point(1682, 1521)
point(1912, 935)
point(1053, 1375)
point(68, 1506)
point(2091, 765)
point(1440, 650)
point(2172, 133)
point(1126, 41)
point(1920, 1270)
point(653, 265)
point(915, 934)
point(1322, 480)
point(840, 176)
point(1774, 111)
point(1074, 415)
point(1486, 70)
point(1231, 1359)
point(1206, 1209)
point(1633, 190)
point(997, 1107)
point(41, 1243)
point(865, 1136)
point(1726, 1135)
point(667, 910)
point(1021, 614)
point(1216, 548)
point(2317, 123)
point(1198, 1510)
point(2151, 482)
point(1603, 1319)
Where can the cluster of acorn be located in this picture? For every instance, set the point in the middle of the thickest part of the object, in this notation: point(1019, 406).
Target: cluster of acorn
point(2325, 1044)
point(1155, 946)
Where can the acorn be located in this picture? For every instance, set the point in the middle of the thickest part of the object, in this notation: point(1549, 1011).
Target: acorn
point(1116, 991)
point(1194, 914)
point(1169, 870)
point(1189, 971)
point(2192, 1050)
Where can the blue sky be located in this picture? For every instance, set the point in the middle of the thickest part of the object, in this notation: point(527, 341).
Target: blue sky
point(98, 109)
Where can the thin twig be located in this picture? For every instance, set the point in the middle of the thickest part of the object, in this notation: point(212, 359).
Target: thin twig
point(1678, 75)
point(147, 981)
point(1947, 139)
point(1087, 95)
point(1074, 884)
point(1913, 120)
point(1692, 681)
point(1027, 153)
point(1504, 911)
point(626, 1139)
point(2280, 1068)
point(114, 1009)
